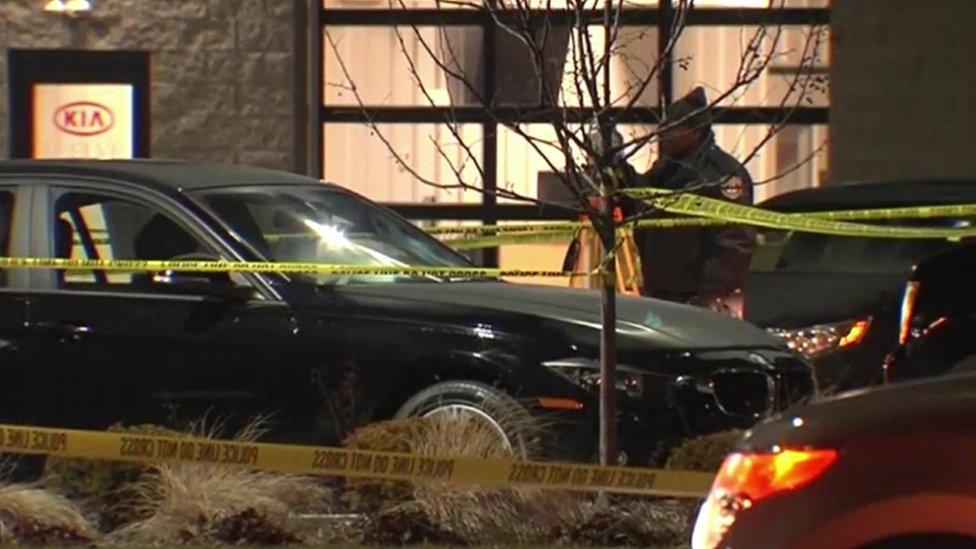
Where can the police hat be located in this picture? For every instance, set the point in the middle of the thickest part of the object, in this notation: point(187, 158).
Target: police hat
point(690, 110)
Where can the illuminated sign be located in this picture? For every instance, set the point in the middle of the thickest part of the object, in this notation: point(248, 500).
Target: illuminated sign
point(83, 121)
point(84, 118)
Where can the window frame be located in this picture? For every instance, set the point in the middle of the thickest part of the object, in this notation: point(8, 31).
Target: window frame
point(19, 238)
point(42, 235)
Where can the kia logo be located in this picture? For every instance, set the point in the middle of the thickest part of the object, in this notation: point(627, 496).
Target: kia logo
point(84, 118)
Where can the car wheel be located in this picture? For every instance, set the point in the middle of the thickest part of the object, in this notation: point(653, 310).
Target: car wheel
point(493, 408)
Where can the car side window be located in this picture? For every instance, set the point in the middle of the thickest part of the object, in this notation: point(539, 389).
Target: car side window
point(89, 225)
point(6, 227)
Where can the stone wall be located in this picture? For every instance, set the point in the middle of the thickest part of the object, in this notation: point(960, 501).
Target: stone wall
point(222, 70)
point(902, 84)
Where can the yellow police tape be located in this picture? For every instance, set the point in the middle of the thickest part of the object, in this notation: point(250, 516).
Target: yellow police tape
point(710, 213)
point(327, 461)
point(193, 265)
point(700, 206)
point(876, 214)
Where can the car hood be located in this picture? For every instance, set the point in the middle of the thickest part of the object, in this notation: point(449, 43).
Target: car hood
point(939, 405)
point(818, 298)
point(663, 323)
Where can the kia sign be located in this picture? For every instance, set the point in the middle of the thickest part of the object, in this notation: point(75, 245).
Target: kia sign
point(84, 118)
point(83, 121)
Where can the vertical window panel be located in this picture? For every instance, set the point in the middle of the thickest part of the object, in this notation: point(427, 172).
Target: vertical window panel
point(400, 65)
point(712, 57)
point(357, 158)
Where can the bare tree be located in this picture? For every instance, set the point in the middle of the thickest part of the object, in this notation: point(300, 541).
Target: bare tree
point(574, 47)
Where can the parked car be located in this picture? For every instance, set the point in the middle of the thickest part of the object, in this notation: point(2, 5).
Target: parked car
point(880, 468)
point(327, 353)
point(938, 318)
point(837, 299)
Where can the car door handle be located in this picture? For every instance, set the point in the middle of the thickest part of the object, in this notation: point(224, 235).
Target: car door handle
point(63, 330)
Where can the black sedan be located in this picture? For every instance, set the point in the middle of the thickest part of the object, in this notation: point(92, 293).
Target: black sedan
point(882, 469)
point(844, 293)
point(325, 354)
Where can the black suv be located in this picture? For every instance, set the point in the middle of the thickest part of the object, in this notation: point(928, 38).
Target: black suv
point(837, 299)
point(324, 354)
point(938, 318)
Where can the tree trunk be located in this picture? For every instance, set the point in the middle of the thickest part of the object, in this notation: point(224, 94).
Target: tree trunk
point(608, 287)
point(608, 346)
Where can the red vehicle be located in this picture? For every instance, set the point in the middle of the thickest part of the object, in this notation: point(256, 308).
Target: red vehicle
point(886, 468)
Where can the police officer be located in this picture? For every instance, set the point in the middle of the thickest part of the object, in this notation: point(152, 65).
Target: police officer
point(705, 266)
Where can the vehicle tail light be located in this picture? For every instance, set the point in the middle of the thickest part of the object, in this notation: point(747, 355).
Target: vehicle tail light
point(907, 312)
point(757, 475)
point(747, 477)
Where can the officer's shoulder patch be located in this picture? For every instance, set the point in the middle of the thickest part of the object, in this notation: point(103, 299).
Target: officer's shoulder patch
point(734, 188)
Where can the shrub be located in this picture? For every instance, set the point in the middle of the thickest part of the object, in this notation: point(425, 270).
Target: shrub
point(205, 503)
point(102, 487)
point(449, 513)
point(704, 453)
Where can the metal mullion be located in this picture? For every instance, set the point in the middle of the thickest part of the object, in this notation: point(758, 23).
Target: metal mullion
point(757, 16)
point(435, 17)
point(666, 72)
point(316, 144)
point(634, 115)
point(629, 16)
point(489, 137)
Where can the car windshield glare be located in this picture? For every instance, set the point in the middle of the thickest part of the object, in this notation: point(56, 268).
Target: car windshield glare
point(317, 224)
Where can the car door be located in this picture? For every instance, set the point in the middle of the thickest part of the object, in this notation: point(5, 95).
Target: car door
point(14, 299)
point(167, 348)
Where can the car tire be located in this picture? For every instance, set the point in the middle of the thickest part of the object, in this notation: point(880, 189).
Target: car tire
point(516, 427)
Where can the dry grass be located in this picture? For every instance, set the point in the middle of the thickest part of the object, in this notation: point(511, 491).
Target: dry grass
point(515, 515)
point(179, 504)
point(198, 503)
point(448, 513)
point(33, 515)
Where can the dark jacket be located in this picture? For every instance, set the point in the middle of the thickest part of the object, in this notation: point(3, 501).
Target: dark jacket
point(699, 261)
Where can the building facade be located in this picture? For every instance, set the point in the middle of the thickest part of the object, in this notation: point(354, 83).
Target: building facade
point(221, 71)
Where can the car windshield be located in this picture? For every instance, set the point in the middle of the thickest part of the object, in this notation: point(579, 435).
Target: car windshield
point(798, 252)
point(316, 224)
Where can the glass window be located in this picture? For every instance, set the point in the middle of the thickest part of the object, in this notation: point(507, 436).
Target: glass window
point(405, 66)
point(400, 65)
point(311, 224)
point(358, 157)
point(712, 57)
point(530, 168)
point(96, 226)
point(633, 58)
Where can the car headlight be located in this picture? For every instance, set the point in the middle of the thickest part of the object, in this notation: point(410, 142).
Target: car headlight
point(585, 372)
point(821, 339)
